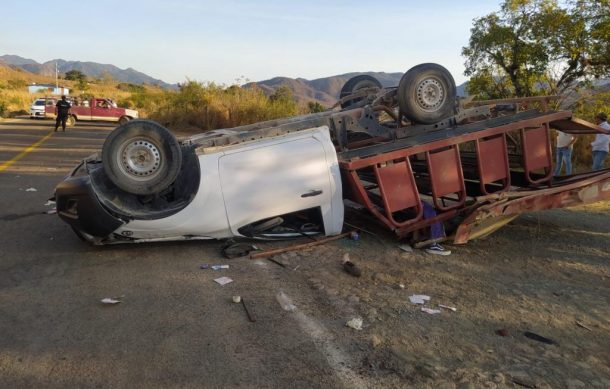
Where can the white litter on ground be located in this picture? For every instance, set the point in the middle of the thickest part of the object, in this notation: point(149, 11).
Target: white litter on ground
point(223, 280)
point(454, 309)
point(285, 302)
point(355, 323)
point(110, 301)
point(430, 310)
point(31, 190)
point(49, 203)
point(419, 298)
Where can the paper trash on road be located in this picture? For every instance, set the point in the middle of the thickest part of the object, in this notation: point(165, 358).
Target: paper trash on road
point(430, 310)
point(223, 280)
point(419, 298)
point(218, 267)
point(454, 309)
point(31, 190)
point(110, 301)
point(49, 203)
point(355, 323)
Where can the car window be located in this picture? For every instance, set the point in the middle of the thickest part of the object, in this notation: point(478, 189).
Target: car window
point(39, 102)
point(50, 102)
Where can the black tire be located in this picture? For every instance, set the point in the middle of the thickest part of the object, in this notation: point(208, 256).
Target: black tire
point(142, 157)
point(124, 120)
point(70, 121)
point(356, 83)
point(426, 93)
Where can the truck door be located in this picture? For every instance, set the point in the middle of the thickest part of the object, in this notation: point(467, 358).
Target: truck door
point(281, 176)
point(101, 110)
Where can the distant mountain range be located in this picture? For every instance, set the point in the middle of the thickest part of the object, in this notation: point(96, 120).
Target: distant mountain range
point(90, 69)
point(326, 90)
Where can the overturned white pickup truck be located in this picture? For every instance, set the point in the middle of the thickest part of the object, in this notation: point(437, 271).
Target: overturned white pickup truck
point(479, 164)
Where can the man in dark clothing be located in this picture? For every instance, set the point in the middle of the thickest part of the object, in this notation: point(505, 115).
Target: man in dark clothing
point(62, 108)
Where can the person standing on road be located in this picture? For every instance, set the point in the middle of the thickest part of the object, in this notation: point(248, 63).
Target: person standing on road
point(564, 152)
point(62, 109)
point(599, 146)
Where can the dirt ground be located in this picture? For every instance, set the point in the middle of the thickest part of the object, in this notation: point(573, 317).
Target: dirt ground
point(546, 273)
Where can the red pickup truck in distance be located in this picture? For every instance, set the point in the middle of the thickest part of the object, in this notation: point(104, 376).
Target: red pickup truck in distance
point(98, 109)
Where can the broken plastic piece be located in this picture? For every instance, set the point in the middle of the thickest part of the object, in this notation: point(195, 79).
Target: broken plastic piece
point(218, 267)
point(537, 337)
point(110, 301)
point(355, 323)
point(285, 302)
point(31, 190)
point(430, 310)
point(454, 309)
point(419, 298)
point(236, 299)
point(223, 280)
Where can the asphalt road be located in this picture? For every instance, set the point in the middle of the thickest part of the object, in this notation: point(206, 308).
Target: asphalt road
point(175, 327)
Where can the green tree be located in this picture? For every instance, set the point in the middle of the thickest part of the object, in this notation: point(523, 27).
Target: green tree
point(314, 107)
point(75, 75)
point(538, 46)
point(282, 94)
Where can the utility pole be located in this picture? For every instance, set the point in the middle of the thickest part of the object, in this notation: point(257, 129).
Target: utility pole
point(56, 81)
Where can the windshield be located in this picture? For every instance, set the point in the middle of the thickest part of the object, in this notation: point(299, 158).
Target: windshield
point(39, 102)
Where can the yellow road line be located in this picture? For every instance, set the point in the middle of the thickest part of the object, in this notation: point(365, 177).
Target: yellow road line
point(25, 152)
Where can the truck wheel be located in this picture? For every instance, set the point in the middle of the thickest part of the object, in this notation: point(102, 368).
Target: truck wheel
point(141, 157)
point(356, 83)
point(70, 121)
point(426, 93)
point(123, 120)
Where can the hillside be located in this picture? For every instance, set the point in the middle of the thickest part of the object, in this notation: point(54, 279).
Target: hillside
point(90, 69)
point(326, 90)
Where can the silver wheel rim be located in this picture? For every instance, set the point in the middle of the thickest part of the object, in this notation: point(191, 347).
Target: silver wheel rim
point(140, 159)
point(430, 94)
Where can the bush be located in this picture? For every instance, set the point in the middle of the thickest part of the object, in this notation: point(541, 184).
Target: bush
point(3, 109)
point(209, 106)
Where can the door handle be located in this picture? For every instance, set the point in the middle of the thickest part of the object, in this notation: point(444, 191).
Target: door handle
point(312, 193)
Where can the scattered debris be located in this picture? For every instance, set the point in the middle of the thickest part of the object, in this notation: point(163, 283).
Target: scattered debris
point(31, 190)
point(454, 309)
point(354, 235)
point(236, 299)
point(218, 267)
point(249, 312)
point(355, 323)
point(401, 286)
point(223, 280)
point(110, 301)
point(297, 246)
point(285, 302)
point(51, 211)
point(538, 338)
point(350, 267)
point(49, 203)
point(276, 262)
point(430, 310)
point(406, 248)
point(204, 266)
point(419, 298)
point(502, 332)
point(583, 326)
point(234, 250)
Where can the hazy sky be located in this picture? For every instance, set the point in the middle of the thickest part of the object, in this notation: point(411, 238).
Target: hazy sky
point(224, 40)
